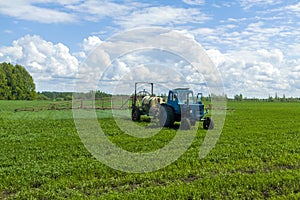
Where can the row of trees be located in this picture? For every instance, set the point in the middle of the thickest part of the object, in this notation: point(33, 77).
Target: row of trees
point(99, 94)
point(16, 83)
point(60, 96)
point(276, 98)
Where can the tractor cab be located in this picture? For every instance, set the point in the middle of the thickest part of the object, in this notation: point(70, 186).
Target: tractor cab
point(178, 97)
point(184, 104)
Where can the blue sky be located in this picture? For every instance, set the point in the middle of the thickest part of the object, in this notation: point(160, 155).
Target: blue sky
point(255, 44)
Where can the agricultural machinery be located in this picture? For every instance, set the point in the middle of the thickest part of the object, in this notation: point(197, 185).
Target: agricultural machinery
point(180, 106)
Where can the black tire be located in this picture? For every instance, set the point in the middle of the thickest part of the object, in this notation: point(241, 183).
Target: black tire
point(193, 122)
point(208, 123)
point(185, 124)
point(211, 124)
point(135, 114)
point(166, 116)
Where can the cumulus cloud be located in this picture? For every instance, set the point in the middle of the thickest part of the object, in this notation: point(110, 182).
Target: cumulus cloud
point(257, 73)
point(44, 60)
point(87, 45)
point(260, 72)
point(90, 43)
point(121, 76)
point(148, 65)
point(156, 55)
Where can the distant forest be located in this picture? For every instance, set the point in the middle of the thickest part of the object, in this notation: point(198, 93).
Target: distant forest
point(66, 96)
point(16, 83)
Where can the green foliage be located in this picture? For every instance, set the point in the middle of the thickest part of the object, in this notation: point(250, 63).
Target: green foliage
point(67, 96)
point(56, 95)
point(238, 97)
point(269, 99)
point(256, 157)
point(41, 96)
point(16, 83)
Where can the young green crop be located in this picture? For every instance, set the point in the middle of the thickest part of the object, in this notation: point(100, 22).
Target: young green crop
point(257, 156)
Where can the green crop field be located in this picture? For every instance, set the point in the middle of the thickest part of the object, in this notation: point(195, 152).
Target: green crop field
point(257, 156)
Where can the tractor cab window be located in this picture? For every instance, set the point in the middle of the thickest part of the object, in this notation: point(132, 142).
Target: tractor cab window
point(191, 97)
point(199, 97)
point(185, 97)
point(182, 97)
point(173, 96)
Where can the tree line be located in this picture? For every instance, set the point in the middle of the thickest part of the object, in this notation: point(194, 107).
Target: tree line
point(67, 96)
point(276, 98)
point(16, 83)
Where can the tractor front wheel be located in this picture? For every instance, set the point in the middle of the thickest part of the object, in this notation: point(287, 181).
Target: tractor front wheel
point(208, 123)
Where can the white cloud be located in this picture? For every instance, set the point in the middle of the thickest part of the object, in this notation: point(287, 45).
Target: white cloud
point(295, 8)
point(129, 15)
point(65, 11)
point(26, 10)
point(134, 59)
point(8, 31)
point(93, 10)
point(247, 4)
point(87, 46)
point(194, 2)
point(165, 15)
point(257, 73)
point(237, 19)
point(44, 60)
point(250, 34)
point(260, 28)
point(273, 56)
point(204, 31)
point(90, 43)
point(293, 50)
point(260, 72)
point(12, 53)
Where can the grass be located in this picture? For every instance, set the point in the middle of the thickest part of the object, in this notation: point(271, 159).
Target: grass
point(257, 156)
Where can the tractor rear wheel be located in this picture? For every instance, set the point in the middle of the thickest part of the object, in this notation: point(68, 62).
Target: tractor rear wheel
point(185, 124)
point(166, 116)
point(193, 122)
point(135, 114)
point(208, 123)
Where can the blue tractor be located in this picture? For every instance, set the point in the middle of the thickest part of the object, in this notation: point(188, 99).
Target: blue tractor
point(181, 106)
